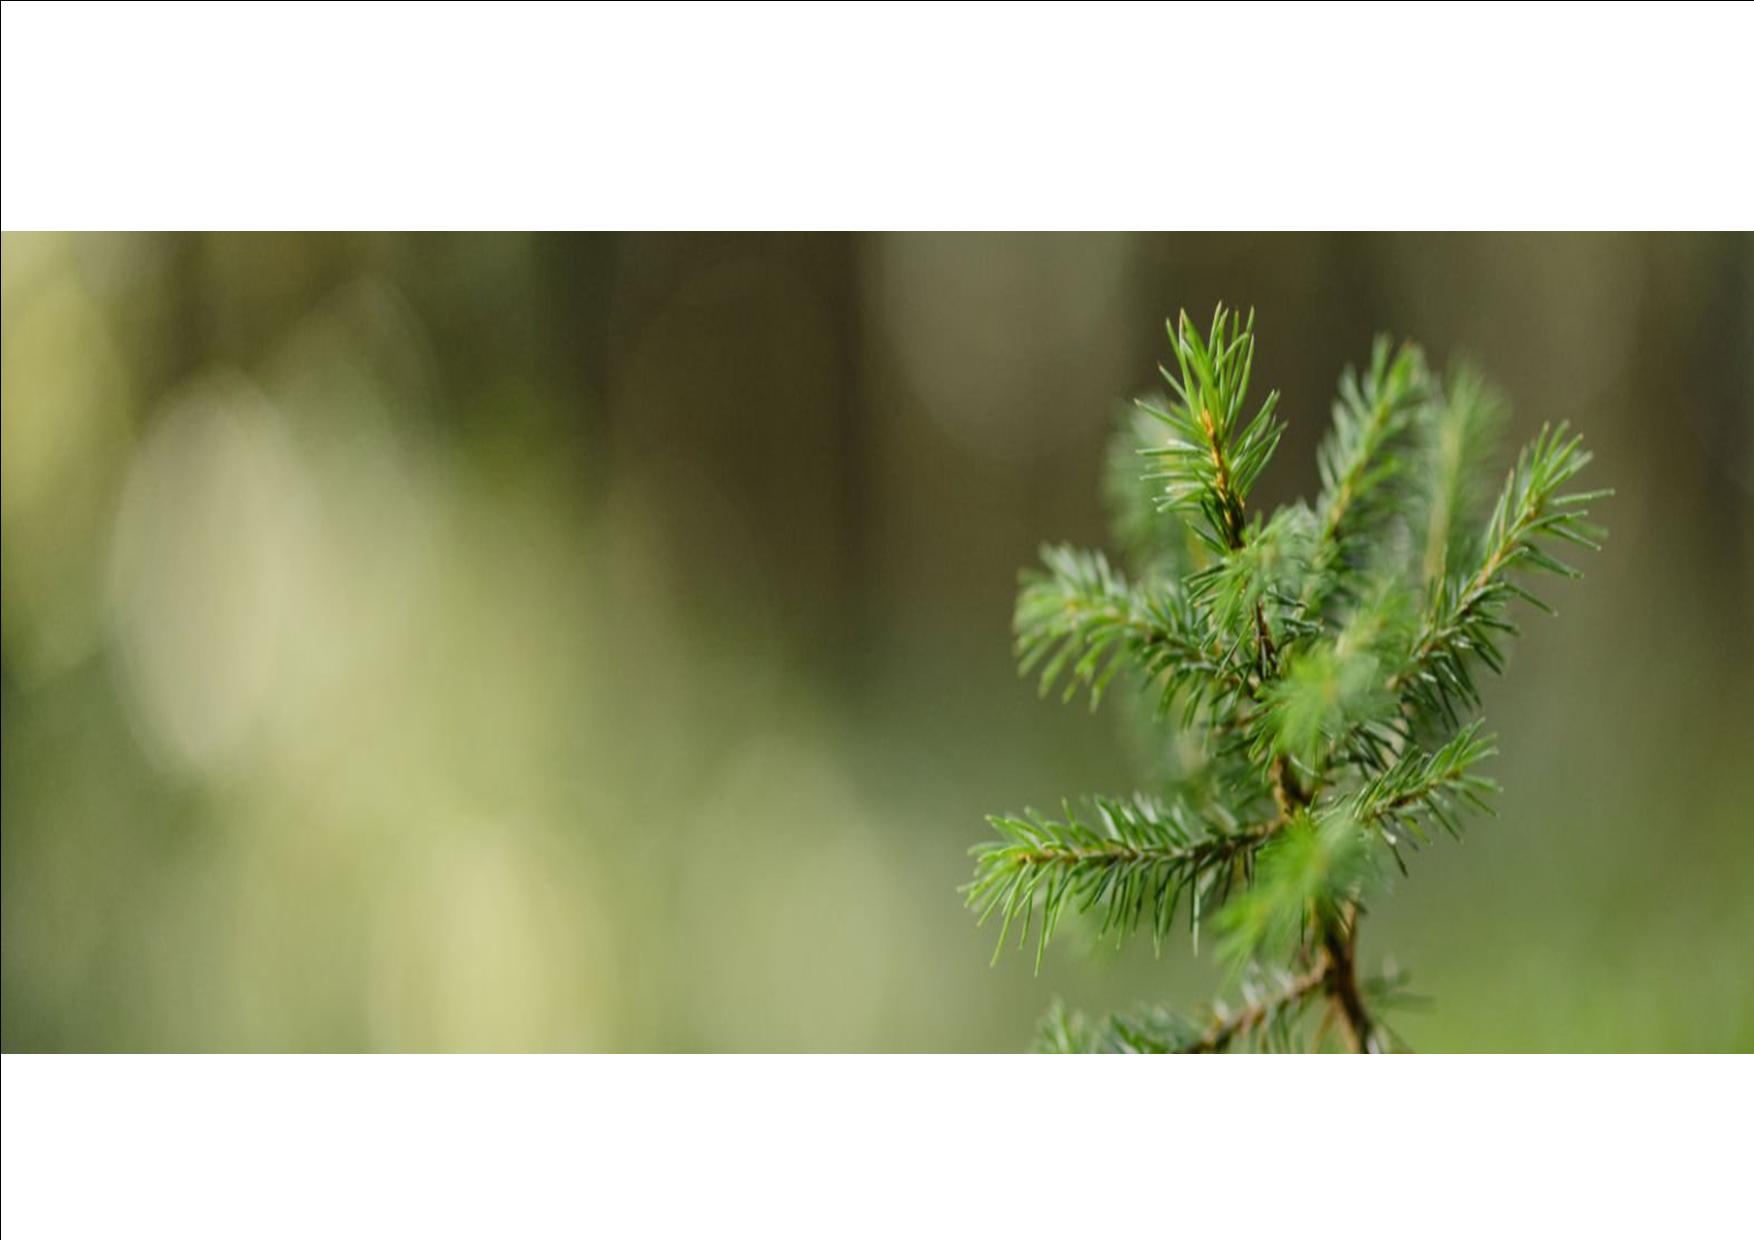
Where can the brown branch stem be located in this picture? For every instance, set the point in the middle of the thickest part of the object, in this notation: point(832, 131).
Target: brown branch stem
point(1339, 938)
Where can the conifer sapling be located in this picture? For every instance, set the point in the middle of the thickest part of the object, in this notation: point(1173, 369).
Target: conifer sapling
point(1317, 666)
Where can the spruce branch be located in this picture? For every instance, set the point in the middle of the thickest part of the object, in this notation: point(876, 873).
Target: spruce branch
point(1270, 1015)
point(1436, 784)
point(1158, 545)
point(1355, 460)
point(1459, 432)
point(1139, 864)
point(1323, 661)
point(1272, 1005)
point(1467, 618)
point(1083, 623)
point(1212, 457)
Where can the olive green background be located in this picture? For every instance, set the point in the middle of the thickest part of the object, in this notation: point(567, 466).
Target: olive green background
point(601, 642)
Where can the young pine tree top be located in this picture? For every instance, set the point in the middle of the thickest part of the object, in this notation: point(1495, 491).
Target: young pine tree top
point(1319, 664)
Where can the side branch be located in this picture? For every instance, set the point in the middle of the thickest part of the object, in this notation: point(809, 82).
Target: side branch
point(1225, 1029)
point(1137, 864)
point(1466, 617)
point(1267, 1016)
point(1083, 623)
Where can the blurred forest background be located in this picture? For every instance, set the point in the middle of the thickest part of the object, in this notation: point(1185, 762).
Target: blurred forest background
point(602, 642)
